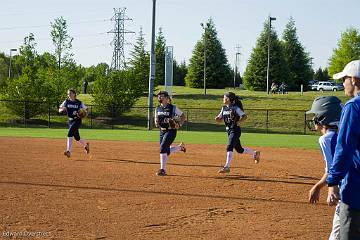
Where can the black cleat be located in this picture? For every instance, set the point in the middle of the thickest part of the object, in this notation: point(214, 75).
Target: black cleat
point(161, 172)
point(87, 148)
point(224, 170)
point(67, 153)
point(182, 147)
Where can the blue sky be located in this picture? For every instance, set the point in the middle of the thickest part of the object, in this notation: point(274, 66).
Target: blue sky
point(238, 22)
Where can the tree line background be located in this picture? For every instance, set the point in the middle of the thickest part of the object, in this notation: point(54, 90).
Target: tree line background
point(46, 77)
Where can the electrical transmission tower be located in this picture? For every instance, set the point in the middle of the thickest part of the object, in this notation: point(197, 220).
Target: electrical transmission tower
point(236, 63)
point(118, 60)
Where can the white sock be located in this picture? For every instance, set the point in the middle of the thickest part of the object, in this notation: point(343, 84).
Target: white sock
point(249, 151)
point(229, 156)
point(82, 142)
point(163, 160)
point(69, 144)
point(175, 149)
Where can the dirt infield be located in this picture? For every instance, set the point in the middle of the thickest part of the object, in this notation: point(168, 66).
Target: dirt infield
point(114, 193)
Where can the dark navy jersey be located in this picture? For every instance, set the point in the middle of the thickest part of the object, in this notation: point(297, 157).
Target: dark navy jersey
point(231, 115)
point(163, 114)
point(72, 107)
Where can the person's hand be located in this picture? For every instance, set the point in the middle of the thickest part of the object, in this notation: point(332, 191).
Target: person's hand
point(218, 119)
point(333, 195)
point(62, 110)
point(314, 194)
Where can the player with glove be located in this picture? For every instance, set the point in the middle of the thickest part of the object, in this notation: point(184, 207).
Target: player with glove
point(168, 118)
point(232, 113)
point(76, 110)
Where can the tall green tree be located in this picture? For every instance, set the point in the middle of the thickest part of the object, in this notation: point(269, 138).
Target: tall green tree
point(160, 45)
point(348, 49)
point(28, 87)
point(238, 78)
point(180, 72)
point(62, 41)
point(298, 61)
point(67, 74)
point(4, 69)
point(321, 75)
point(140, 61)
point(255, 74)
point(218, 72)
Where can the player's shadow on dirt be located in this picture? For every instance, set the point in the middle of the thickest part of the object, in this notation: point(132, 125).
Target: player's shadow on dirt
point(256, 179)
point(115, 160)
point(246, 178)
point(304, 177)
point(108, 189)
point(225, 177)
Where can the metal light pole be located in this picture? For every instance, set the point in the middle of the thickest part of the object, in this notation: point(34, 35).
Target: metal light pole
point(204, 27)
point(235, 68)
point(152, 70)
point(11, 50)
point(268, 63)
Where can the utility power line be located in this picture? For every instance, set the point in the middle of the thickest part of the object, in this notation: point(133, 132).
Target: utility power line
point(49, 25)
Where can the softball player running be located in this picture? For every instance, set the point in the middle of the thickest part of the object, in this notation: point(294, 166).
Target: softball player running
point(73, 107)
point(164, 119)
point(327, 111)
point(232, 113)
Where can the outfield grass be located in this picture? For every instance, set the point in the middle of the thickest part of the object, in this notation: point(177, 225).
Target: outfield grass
point(248, 139)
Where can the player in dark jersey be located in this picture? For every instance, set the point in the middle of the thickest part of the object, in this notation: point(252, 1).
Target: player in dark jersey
point(232, 113)
point(163, 113)
point(72, 107)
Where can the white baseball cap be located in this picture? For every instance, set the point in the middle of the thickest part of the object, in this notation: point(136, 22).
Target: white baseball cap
point(352, 69)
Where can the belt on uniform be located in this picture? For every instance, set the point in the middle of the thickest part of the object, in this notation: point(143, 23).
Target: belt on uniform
point(74, 118)
point(164, 129)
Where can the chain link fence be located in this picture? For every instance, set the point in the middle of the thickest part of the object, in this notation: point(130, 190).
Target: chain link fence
point(198, 119)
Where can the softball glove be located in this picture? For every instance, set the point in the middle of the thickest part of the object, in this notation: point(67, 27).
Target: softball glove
point(82, 113)
point(174, 123)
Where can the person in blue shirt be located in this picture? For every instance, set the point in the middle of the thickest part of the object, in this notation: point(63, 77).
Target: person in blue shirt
point(346, 164)
point(72, 106)
point(163, 114)
point(232, 113)
point(326, 110)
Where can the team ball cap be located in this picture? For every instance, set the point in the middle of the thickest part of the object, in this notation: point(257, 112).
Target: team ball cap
point(352, 69)
point(165, 93)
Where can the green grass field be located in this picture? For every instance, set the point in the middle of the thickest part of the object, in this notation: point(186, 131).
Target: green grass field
point(248, 139)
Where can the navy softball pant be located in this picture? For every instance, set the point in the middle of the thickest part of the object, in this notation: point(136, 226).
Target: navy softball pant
point(167, 137)
point(234, 140)
point(74, 126)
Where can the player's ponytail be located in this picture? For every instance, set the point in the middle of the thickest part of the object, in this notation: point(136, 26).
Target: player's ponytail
point(237, 102)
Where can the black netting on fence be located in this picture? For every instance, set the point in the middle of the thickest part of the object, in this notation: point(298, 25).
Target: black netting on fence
point(41, 114)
